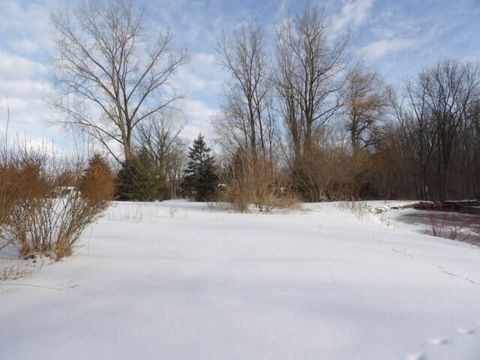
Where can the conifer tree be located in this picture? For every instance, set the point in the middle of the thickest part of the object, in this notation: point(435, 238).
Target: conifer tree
point(139, 179)
point(200, 180)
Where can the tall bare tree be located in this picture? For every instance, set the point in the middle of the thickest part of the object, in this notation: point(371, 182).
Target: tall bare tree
point(365, 103)
point(436, 123)
point(308, 77)
point(247, 108)
point(473, 160)
point(110, 75)
point(416, 136)
point(309, 61)
point(451, 91)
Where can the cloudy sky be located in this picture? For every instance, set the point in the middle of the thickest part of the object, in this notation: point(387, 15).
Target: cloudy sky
point(397, 38)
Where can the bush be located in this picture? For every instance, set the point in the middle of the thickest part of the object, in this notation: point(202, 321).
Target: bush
point(324, 173)
point(22, 182)
point(253, 183)
point(97, 181)
point(51, 225)
point(8, 191)
point(455, 226)
point(44, 212)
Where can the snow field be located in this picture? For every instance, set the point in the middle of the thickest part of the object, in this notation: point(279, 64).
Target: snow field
point(178, 280)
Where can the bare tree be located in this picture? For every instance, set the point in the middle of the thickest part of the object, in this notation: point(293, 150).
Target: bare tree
point(471, 143)
point(365, 103)
point(247, 108)
point(451, 89)
point(416, 136)
point(308, 64)
point(110, 76)
point(435, 123)
point(308, 77)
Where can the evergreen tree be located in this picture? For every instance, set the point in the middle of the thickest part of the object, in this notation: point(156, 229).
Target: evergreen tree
point(200, 180)
point(139, 179)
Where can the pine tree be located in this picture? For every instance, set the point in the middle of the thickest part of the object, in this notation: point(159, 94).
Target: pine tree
point(200, 180)
point(139, 179)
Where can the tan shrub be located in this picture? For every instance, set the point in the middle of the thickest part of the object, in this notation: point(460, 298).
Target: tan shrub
point(255, 183)
point(97, 183)
point(45, 212)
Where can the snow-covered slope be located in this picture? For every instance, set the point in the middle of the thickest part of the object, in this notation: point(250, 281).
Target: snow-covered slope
point(177, 280)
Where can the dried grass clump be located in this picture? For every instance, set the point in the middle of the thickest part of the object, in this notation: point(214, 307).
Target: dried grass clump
point(356, 207)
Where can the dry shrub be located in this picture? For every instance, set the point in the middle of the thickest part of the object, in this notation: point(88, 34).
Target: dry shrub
point(7, 192)
point(332, 172)
point(363, 182)
point(21, 179)
point(51, 225)
point(47, 212)
point(7, 200)
point(455, 226)
point(393, 174)
point(98, 181)
point(12, 272)
point(358, 208)
point(323, 174)
point(29, 186)
point(445, 225)
point(254, 183)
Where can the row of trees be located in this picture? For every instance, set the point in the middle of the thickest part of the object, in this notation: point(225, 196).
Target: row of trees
point(296, 117)
point(339, 132)
point(438, 130)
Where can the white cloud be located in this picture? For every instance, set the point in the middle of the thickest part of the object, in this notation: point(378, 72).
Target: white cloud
point(23, 85)
point(24, 88)
point(202, 76)
point(189, 82)
point(14, 67)
point(205, 58)
point(354, 12)
point(381, 48)
point(24, 45)
point(198, 117)
point(25, 25)
point(40, 143)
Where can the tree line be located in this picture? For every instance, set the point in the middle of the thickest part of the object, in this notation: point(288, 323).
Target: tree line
point(297, 118)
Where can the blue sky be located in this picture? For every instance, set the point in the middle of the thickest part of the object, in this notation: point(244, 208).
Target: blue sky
point(397, 38)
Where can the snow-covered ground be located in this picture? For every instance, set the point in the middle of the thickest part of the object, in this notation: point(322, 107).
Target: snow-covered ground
point(178, 280)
